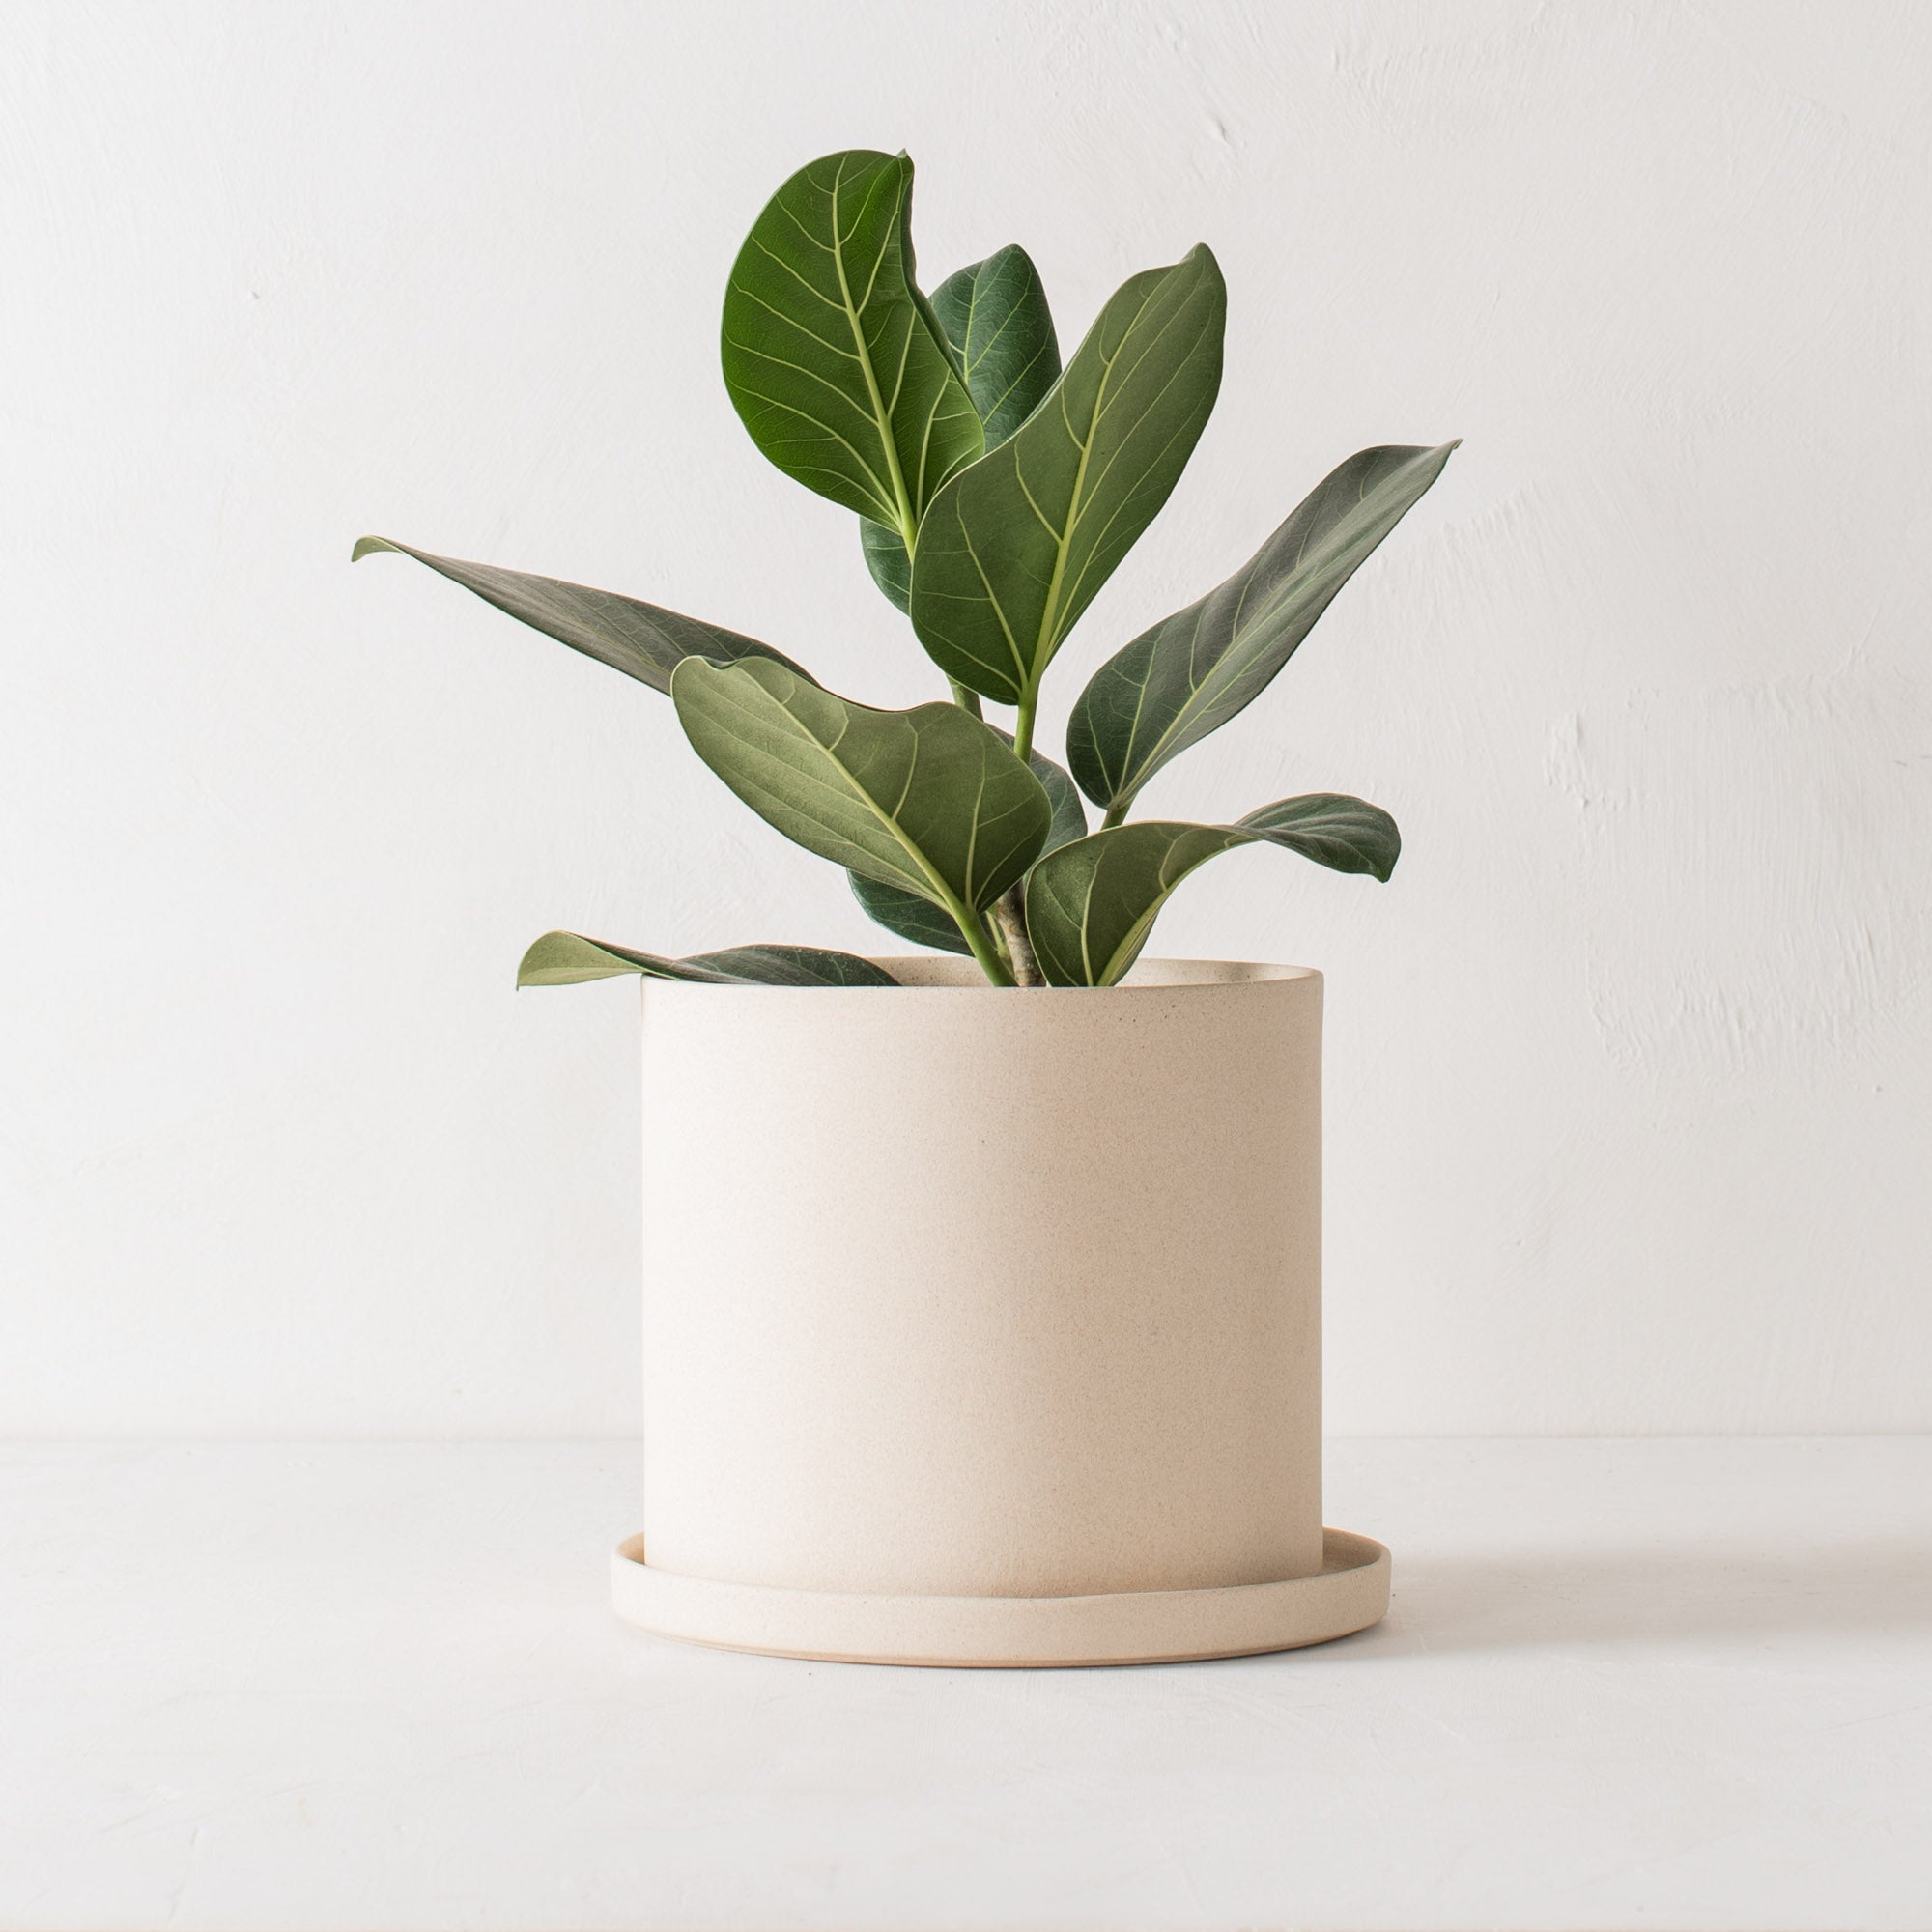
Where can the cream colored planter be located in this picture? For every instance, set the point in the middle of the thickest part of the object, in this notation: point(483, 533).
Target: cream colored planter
point(983, 1326)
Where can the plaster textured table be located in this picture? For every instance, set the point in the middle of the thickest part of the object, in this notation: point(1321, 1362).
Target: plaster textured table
point(1660, 1684)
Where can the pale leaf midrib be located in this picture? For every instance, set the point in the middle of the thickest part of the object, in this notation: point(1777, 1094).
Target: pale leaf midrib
point(1105, 396)
point(804, 281)
point(891, 825)
point(902, 504)
point(1126, 497)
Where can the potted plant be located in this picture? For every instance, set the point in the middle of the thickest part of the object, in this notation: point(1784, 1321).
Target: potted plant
point(983, 1285)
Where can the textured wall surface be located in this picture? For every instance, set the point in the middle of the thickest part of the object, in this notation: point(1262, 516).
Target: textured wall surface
point(1630, 1068)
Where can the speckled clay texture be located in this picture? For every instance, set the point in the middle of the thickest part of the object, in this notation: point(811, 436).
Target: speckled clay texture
point(961, 1292)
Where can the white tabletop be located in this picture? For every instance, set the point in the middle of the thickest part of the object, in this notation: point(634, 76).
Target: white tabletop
point(1669, 1684)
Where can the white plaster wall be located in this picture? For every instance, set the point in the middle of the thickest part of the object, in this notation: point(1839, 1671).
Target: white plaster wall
point(1630, 1067)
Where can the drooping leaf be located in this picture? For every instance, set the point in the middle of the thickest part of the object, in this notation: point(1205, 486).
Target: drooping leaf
point(639, 640)
point(1014, 547)
point(1194, 671)
point(831, 357)
point(793, 966)
point(927, 925)
point(929, 800)
point(995, 319)
point(1090, 905)
point(568, 958)
point(995, 315)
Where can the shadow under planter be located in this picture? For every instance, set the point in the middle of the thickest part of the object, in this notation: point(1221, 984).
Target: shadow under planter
point(983, 1326)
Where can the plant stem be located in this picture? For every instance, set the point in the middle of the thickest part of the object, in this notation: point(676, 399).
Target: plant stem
point(1023, 725)
point(997, 934)
point(1116, 815)
point(967, 701)
point(978, 939)
point(1009, 910)
point(1009, 920)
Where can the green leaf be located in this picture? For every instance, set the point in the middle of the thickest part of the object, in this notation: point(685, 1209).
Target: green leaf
point(1015, 548)
point(567, 958)
point(996, 317)
point(639, 640)
point(886, 557)
point(1193, 671)
point(830, 354)
point(927, 925)
point(1090, 905)
point(792, 966)
point(1070, 815)
point(929, 800)
point(908, 915)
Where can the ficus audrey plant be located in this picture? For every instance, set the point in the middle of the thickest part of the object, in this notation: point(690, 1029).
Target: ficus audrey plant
point(996, 490)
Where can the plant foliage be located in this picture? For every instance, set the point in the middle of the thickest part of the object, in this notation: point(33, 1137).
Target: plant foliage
point(996, 493)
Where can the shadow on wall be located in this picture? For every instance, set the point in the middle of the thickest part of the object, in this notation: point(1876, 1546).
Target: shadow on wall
point(1666, 1593)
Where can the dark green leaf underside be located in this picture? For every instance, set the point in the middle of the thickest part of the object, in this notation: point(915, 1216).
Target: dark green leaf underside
point(995, 315)
point(885, 554)
point(642, 640)
point(908, 915)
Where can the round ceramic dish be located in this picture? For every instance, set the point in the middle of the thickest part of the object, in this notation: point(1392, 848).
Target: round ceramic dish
point(1349, 1592)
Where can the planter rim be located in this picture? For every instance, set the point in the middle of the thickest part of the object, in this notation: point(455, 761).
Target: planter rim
point(946, 973)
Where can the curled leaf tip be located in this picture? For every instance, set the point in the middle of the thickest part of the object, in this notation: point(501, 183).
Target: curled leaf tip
point(368, 546)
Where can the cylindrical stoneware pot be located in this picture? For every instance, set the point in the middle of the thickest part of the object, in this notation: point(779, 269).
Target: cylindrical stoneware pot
point(983, 1326)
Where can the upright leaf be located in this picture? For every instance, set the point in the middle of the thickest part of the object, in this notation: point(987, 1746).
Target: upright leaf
point(567, 958)
point(639, 640)
point(995, 316)
point(830, 354)
point(925, 924)
point(1015, 548)
point(929, 800)
point(995, 319)
point(1194, 671)
point(1090, 905)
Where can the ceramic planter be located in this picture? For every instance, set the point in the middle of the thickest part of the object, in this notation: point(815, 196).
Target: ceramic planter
point(984, 1327)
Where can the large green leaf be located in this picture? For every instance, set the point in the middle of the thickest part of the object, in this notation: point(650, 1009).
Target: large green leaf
point(831, 357)
point(929, 800)
point(995, 316)
point(1194, 671)
point(927, 925)
point(567, 958)
point(639, 640)
point(1014, 547)
point(995, 320)
point(1090, 905)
